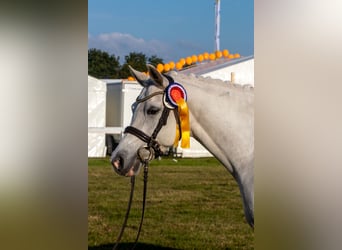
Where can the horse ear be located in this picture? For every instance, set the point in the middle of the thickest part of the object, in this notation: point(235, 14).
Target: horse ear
point(156, 76)
point(141, 77)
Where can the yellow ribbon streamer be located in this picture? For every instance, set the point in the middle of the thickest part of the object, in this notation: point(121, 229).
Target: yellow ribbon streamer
point(175, 143)
point(183, 111)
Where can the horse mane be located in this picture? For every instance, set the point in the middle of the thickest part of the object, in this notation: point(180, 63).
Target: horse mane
point(206, 82)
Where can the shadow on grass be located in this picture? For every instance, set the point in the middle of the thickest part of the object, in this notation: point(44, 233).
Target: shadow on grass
point(128, 246)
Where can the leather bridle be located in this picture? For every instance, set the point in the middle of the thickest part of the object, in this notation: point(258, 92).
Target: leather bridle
point(153, 149)
point(153, 145)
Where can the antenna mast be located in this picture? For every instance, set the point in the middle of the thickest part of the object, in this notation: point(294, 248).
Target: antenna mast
point(217, 25)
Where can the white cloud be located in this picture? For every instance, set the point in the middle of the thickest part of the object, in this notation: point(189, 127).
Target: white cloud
point(121, 44)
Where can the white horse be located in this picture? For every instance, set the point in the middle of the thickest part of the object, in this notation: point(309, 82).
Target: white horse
point(221, 119)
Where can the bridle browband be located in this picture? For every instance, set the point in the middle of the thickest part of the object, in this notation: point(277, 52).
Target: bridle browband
point(153, 149)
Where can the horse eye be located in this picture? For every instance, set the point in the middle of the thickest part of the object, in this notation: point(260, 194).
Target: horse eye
point(152, 111)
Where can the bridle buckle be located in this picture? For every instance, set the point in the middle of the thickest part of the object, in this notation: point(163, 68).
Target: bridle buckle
point(146, 154)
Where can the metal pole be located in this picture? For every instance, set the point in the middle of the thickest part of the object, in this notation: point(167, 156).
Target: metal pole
point(217, 25)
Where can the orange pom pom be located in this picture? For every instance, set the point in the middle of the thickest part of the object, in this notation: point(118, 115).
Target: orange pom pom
point(188, 60)
point(160, 67)
point(166, 67)
point(172, 65)
point(225, 53)
point(179, 65)
point(218, 54)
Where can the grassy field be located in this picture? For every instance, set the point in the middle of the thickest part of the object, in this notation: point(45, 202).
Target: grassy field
point(191, 204)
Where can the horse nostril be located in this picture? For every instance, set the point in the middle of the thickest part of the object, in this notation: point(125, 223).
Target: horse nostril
point(118, 163)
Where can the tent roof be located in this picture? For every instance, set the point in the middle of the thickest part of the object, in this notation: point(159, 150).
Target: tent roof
point(206, 67)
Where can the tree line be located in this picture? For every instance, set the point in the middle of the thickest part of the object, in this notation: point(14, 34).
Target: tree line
point(103, 65)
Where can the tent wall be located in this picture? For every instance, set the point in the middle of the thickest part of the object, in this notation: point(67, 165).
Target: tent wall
point(196, 150)
point(96, 117)
point(130, 92)
point(243, 71)
point(120, 97)
point(96, 145)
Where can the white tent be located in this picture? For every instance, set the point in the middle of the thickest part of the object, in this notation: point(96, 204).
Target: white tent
point(109, 112)
point(121, 94)
point(96, 117)
point(196, 150)
point(240, 71)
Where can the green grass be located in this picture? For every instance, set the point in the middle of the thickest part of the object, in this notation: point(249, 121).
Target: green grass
point(191, 204)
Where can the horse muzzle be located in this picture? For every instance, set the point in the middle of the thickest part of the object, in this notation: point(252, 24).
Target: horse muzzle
point(124, 167)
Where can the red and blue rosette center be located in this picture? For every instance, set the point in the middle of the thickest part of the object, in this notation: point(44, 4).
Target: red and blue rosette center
point(175, 92)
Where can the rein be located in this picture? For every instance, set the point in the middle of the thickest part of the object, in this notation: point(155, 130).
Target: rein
point(153, 149)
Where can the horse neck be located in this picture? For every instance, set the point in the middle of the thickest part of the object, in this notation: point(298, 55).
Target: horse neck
point(211, 120)
point(202, 115)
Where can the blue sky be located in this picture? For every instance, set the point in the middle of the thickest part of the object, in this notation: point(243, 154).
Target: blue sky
point(169, 29)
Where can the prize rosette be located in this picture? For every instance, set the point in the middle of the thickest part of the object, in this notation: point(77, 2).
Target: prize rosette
point(173, 93)
point(176, 97)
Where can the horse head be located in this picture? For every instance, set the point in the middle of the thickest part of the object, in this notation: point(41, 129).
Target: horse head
point(152, 129)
